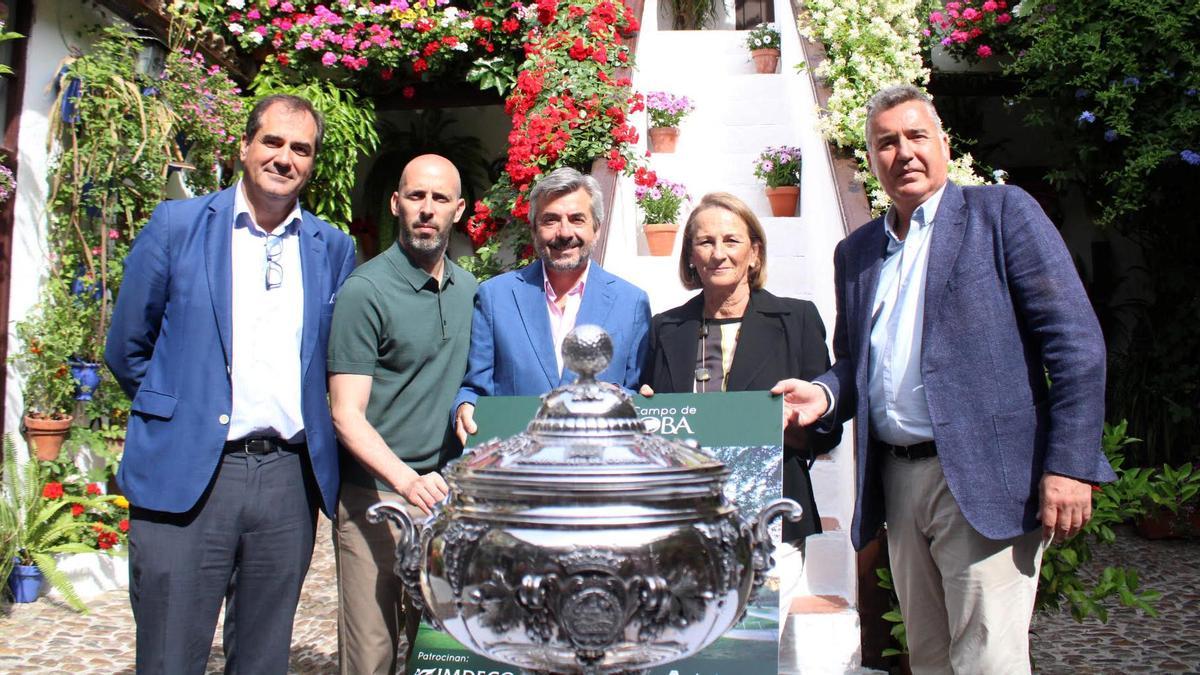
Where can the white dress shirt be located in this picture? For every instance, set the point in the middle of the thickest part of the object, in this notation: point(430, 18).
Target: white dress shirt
point(562, 321)
point(267, 326)
point(896, 390)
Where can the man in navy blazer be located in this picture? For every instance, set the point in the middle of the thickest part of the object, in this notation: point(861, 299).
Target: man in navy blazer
point(219, 338)
point(968, 353)
point(521, 317)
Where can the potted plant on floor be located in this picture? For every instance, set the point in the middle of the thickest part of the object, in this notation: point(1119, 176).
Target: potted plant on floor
point(763, 43)
point(660, 201)
point(779, 169)
point(47, 520)
point(666, 111)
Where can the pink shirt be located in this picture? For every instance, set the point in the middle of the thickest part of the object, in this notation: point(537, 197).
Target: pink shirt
point(562, 321)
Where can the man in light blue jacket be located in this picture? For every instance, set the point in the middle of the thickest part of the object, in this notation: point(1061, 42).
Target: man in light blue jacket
point(521, 317)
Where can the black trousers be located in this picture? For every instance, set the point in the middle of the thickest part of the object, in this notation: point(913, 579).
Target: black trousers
point(249, 537)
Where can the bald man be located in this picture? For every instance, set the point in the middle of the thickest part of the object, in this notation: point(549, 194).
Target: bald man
point(397, 351)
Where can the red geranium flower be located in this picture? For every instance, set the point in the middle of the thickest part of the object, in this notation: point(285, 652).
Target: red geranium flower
point(94, 489)
point(546, 9)
point(483, 24)
point(408, 92)
point(510, 25)
point(123, 525)
point(579, 51)
point(77, 510)
point(52, 490)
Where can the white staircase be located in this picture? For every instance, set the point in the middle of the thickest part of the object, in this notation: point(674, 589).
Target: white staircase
point(738, 113)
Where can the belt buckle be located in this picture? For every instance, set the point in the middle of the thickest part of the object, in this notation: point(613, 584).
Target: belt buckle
point(259, 446)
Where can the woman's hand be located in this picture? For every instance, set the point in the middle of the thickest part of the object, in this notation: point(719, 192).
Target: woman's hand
point(646, 391)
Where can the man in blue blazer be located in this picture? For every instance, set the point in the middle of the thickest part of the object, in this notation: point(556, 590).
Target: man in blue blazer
point(521, 317)
point(968, 353)
point(219, 338)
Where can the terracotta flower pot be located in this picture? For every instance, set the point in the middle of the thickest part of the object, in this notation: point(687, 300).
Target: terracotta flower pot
point(46, 435)
point(784, 200)
point(663, 139)
point(765, 60)
point(660, 237)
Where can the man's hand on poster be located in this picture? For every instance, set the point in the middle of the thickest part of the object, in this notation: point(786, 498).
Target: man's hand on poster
point(803, 402)
point(464, 423)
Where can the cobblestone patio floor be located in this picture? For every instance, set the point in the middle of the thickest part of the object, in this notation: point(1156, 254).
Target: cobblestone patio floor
point(47, 637)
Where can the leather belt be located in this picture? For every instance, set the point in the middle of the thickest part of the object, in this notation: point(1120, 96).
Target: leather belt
point(260, 446)
point(918, 451)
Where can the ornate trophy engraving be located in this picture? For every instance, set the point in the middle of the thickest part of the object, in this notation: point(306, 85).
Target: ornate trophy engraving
point(585, 544)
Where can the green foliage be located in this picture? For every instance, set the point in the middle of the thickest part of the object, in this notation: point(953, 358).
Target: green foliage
point(1124, 67)
point(1114, 503)
point(350, 135)
point(690, 14)
point(5, 36)
point(42, 526)
point(893, 616)
point(496, 72)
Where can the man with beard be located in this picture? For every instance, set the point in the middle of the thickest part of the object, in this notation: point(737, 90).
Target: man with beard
point(397, 349)
point(521, 317)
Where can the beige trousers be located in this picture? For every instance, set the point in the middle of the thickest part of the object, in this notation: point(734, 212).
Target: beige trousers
point(376, 621)
point(967, 600)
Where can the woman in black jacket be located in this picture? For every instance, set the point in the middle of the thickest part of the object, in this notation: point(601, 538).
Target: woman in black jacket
point(735, 336)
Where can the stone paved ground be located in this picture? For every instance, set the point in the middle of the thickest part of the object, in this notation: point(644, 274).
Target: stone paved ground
point(46, 637)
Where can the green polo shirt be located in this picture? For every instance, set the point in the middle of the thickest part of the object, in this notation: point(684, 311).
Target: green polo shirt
point(392, 321)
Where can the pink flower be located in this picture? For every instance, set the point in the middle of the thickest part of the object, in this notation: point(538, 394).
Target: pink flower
point(1003, 18)
point(989, 6)
point(329, 58)
point(971, 14)
point(253, 15)
point(936, 17)
point(286, 7)
point(113, 234)
point(984, 51)
point(262, 30)
point(959, 36)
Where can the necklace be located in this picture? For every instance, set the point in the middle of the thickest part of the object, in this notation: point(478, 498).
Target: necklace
point(702, 373)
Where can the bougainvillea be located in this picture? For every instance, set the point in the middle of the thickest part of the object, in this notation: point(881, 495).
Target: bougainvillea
point(970, 29)
point(569, 107)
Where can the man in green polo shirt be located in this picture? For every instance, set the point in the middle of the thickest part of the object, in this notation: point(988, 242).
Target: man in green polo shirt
point(397, 352)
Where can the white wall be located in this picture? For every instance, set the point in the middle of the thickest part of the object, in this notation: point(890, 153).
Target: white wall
point(57, 26)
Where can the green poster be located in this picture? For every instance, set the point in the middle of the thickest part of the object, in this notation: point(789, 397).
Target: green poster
point(744, 430)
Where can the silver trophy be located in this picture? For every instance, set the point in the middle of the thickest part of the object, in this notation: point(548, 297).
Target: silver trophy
point(585, 544)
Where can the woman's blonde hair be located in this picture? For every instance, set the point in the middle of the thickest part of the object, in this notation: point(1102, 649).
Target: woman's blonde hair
point(723, 200)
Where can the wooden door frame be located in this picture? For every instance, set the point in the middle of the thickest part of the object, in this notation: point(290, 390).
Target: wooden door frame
point(23, 10)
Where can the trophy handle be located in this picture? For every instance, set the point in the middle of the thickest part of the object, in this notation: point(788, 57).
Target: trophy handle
point(760, 537)
point(408, 549)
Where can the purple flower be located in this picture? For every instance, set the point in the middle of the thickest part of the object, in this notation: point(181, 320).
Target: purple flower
point(1189, 91)
point(1086, 117)
point(1190, 157)
point(1110, 135)
point(1132, 81)
point(768, 165)
point(1082, 93)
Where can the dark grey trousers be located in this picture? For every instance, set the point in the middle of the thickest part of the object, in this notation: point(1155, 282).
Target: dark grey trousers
point(250, 537)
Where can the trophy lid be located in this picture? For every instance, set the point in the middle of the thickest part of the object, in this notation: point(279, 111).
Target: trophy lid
point(586, 436)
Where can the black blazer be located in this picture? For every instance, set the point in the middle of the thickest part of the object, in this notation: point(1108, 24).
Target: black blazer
point(779, 338)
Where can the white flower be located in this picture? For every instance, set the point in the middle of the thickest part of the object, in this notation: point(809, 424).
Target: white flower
point(236, 4)
point(460, 47)
point(236, 28)
point(255, 37)
point(362, 11)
